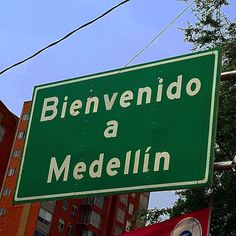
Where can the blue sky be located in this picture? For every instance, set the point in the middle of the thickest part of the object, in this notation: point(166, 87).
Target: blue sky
point(26, 26)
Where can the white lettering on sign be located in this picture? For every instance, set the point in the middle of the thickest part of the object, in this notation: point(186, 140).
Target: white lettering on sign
point(111, 130)
point(125, 98)
point(74, 108)
point(112, 165)
point(58, 172)
point(52, 106)
point(109, 103)
point(131, 164)
point(176, 86)
point(197, 83)
point(78, 169)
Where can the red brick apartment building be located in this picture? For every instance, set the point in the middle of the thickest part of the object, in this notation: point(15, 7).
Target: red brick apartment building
point(8, 125)
point(93, 216)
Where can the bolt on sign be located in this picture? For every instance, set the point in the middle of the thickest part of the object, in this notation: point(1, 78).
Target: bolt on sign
point(143, 128)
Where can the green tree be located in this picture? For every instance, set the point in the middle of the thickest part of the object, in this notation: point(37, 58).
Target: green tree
point(213, 29)
point(145, 217)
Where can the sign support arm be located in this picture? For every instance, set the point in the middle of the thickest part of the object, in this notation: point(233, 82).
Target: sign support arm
point(225, 165)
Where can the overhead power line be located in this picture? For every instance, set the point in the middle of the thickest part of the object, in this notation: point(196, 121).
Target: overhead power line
point(65, 37)
point(158, 35)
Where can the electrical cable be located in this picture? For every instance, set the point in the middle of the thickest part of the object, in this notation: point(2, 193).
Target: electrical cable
point(63, 38)
point(158, 35)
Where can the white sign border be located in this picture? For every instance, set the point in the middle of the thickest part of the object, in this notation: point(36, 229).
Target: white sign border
point(146, 187)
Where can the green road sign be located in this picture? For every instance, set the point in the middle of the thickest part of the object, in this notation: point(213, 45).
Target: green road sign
point(146, 127)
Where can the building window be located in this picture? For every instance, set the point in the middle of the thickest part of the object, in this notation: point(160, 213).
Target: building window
point(87, 233)
point(52, 202)
point(6, 191)
point(21, 134)
point(74, 211)
point(85, 217)
point(3, 211)
point(70, 230)
point(146, 193)
point(120, 215)
point(2, 132)
point(124, 199)
point(89, 200)
point(11, 171)
point(99, 202)
point(39, 233)
point(45, 216)
point(143, 203)
point(117, 230)
point(60, 225)
point(96, 219)
point(128, 226)
point(65, 205)
point(131, 208)
point(25, 116)
point(16, 153)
